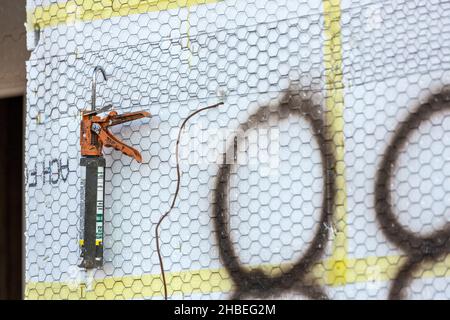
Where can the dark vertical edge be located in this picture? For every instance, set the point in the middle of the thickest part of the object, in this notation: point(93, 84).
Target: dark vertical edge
point(11, 198)
point(3, 227)
point(23, 226)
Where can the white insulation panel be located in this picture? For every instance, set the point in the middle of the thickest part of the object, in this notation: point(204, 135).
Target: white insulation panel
point(300, 80)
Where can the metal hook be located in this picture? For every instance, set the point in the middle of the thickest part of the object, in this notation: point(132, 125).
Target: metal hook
point(94, 85)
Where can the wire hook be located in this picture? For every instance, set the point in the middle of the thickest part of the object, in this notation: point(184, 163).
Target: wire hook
point(94, 85)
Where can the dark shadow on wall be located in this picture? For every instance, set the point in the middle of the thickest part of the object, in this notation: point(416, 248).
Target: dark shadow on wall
point(11, 197)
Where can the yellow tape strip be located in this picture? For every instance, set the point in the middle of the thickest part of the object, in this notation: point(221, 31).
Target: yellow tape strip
point(88, 10)
point(133, 287)
point(335, 123)
point(363, 270)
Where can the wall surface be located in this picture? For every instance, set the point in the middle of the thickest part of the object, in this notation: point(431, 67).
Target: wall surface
point(13, 55)
point(335, 187)
point(13, 51)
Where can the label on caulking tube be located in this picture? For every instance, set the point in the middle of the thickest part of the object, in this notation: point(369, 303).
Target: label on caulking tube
point(82, 202)
point(93, 194)
point(99, 211)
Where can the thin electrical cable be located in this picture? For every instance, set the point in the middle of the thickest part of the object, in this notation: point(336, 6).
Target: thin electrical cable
point(177, 189)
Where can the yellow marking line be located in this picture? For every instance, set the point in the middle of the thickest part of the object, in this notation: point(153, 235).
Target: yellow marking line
point(188, 33)
point(133, 287)
point(335, 124)
point(205, 281)
point(72, 11)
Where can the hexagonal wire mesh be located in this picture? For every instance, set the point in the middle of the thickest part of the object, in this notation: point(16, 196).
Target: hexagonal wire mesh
point(323, 174)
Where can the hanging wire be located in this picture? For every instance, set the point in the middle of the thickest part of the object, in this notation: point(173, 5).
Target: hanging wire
point(177, 189)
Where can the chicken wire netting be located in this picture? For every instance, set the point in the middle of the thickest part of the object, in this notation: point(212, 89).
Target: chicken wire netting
point(325, 173)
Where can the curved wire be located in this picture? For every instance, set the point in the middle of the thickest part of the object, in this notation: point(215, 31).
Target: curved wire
point(94, 85)
point(175, 194)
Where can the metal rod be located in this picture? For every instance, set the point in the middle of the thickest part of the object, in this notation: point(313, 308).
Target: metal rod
point(94, 85)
